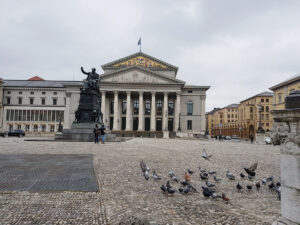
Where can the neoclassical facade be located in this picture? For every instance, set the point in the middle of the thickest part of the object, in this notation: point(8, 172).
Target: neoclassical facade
point(142, 93)
point(139, 93)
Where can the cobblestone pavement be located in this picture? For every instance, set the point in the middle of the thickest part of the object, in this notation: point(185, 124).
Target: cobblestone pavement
point(123, 191)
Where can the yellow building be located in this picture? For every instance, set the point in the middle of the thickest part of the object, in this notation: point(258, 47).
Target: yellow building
point(283, 89)
point(252, 115)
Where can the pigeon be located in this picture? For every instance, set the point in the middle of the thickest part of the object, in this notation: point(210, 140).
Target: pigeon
point(206, 191)
point(217, 179)
point(171, 174)
point(215, 195)
point(230, 176)
point(189, 185)
point(208, 184)
point(225, 198)
point(251, 173)
point(202, 170)
point(204, 155)
point(155, 175)
point(212, 172)
point(203, 177)
point(144, 167)
point(171, 190)
point(250, 177)
point(187, 177)
point(163, 188)
point(242, 175)
point(168, 184)
point(239, 187)
point(175, 179)
point(184, 183)
point(184, 190)
point(253, 167)
point(271, 178)
point(205, 174)
point(249, 187)
point(272, 185)
point(278, 184)
point(146, 175)
point(264, 181)
point(257, 185)
point(190, 171)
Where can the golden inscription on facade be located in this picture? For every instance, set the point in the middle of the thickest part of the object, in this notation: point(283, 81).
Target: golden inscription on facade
point(140, 61)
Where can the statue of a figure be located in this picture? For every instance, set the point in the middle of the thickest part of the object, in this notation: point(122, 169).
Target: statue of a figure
point(92, 80)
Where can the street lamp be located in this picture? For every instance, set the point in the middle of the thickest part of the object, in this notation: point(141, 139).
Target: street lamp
point(179, 127)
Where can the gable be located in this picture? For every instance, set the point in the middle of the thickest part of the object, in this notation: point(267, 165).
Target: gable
point(140, 61)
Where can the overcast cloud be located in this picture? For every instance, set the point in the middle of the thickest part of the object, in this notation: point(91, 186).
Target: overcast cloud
point(239, 48)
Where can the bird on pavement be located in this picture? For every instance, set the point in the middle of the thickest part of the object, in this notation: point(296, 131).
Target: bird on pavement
point(146, 174)
point(175, 179)
point(171, 190)
point(168, 185)
point(217, 179)
point(163, 188)
point(203, 177)
point(250, 177)
point(202, 170)
point(230, 176)
point(189, 185)
point(257, 185)
point(190, 171)
point(187, 177)
point(204, 155)
point(249, 187)
point(251, 173)
point(143, 166)
point(212, 172)
point(184, 183)
point(215, 195)
point(184, 190)
point(239, 187)
point(242, 175)
point(155, 175)
point(206, 191)
point(225, 198)
point(208, 184)
point(272, 185)
point(171, 174)
point(253, 167)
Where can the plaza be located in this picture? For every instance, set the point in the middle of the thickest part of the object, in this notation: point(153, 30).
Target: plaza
point(124, 192)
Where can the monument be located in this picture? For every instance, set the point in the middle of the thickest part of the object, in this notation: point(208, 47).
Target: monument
point(88, 114)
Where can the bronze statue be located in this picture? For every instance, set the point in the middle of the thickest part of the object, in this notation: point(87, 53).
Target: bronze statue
point(92, 80)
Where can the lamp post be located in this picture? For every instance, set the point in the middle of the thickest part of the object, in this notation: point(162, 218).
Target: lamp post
point(179, 127)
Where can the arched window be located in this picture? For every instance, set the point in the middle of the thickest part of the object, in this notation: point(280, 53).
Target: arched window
point(136, 106)
point(147, 107)
point(171, 107)
point(159, 107)
point(190, 108)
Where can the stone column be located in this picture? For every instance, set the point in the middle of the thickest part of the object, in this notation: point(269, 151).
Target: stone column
point(203, 122)
point(141, 112)
point(153, 112)
point(116, 111)
point(103, 104)
point(177, 111)
point(67, 111)
point(286, 131)
point(165, 112)
point(128, 111)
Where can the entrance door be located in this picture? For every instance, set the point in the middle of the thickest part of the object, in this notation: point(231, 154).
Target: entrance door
point(135, 123)
point(158, 124)
point(147, 124)
point(170, 124)
point(111, 123)
point(123, 123)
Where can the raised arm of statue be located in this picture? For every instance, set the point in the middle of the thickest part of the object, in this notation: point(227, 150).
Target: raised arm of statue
point(82, 70)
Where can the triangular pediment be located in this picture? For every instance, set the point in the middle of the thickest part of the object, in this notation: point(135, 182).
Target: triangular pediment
point(136, 74)
point(142, 60)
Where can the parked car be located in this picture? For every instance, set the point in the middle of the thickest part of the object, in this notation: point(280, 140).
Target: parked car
point(268, 140)
point(17, 133)
point(3, 134)
point(227, 138)
point(235, 137)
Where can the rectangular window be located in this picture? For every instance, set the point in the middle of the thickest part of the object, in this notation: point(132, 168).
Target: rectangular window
point(19, 127)
point(267, 100)
point(54, 101)
point(111, 107)
point(53, 116)
point(35, 128)
point(279, 98)
point(43, 93)
point(136, 107)
point(262, 100)
point(20, 101)
point(43, 101)
point(28, 115)
point(147, 107)
point(51, 128)
point(267, 117)
point(55, 93)
point(43, 128)
point(32, 115)
point(189, 108)
point(8, 92)
point(11, 127)
point(8, 100)
point(20, 92)
point(24, 115)
point(190, 91)
point(262, 116)
point(159, 107)
point(267, 124)
point(171, 108)
point(27, 128)
point(124, 103)
point(189, 124)
point(49, 115)
point(31, 101)
point(32, 92)
point(7, 114)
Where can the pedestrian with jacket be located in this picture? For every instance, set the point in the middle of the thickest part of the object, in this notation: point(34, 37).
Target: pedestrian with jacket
point(102, 133)
point(96, 134)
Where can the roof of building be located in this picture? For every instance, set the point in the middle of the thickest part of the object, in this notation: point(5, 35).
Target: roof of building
point(40, 83)
point(263, 94)
point(213, 111)
point(110, 65)
point(196, 87)
point(35, 78)
point(288, 81)
point(231, 106)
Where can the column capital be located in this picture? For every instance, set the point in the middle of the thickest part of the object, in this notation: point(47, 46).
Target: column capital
point(178, 92)
point(103, 92)
point(153, 92)
point(128, 92)
point(166, 93)
point(116, 92)
point(141, 92)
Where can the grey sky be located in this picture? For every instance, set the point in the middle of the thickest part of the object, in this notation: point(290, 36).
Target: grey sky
point(240, 48)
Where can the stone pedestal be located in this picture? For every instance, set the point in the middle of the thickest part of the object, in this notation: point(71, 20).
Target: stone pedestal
point(286, 131)
point(166, 134)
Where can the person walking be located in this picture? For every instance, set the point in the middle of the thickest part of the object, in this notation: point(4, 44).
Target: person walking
point(102, 133)
point(96, 134)
point(251, 138)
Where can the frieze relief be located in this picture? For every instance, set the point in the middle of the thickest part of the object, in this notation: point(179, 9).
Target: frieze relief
point(141, 61)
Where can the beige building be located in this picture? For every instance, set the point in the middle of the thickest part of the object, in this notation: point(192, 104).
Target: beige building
point(139, 94)
point(243, 119)
point(283, 89)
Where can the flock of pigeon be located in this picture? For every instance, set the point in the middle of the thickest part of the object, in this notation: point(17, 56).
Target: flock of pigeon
point(209, 189)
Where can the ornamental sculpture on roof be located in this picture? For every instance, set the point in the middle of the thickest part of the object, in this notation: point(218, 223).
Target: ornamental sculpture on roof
point(141, 61)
